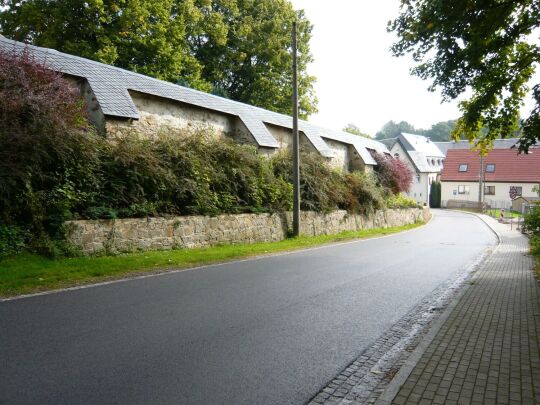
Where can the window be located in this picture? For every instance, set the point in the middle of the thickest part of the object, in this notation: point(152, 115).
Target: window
point(396, 155)
point(489, 190)
point(490, 168)
point(516, 190)
point(463, 190)
point(463, 167)
point(418, 178)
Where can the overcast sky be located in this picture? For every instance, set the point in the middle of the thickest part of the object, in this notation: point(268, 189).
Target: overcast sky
point(358, 81)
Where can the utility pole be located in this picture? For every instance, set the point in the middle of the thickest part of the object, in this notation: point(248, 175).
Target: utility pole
point(481, 185)
point(296, 140)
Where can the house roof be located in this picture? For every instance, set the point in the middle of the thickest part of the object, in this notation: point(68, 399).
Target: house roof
point(111, 87)
point(509, 166)
point(497, 144)
point(389, 142)
point(422, 152)
point(527, 198)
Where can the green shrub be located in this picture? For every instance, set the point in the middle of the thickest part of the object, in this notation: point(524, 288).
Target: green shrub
point(531, 222)
point(401, 201)
point(362, 194)
point(49, 154)
point(12, 239)
point(55, 167)
point(321, 187)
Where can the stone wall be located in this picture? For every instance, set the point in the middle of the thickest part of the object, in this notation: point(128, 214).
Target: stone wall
point(139, 234)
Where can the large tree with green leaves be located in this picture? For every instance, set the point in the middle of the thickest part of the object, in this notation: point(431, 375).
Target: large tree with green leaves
point(237, 48)
point(253, 64)
point(353, 129)
point(392, 129)
point(487, 46)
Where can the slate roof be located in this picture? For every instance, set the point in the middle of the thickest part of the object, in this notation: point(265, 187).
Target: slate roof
point(497, 144)
point(422, 151)
point(509, 166)
point(111, 84)
point(389, 142)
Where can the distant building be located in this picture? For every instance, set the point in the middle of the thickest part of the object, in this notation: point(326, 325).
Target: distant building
point(507, 143)
point(507, 175)
point(423, 157)
point(520, 203)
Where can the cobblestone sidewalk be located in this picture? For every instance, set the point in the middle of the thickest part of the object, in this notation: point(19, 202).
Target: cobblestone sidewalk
point(487, 351)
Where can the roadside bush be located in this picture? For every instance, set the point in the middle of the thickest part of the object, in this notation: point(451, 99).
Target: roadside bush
point(393, 174)
point(531, 222)
point(12, 240)
point(401, 201)
point(183, 172)
point(48, 153)
point(362, 194)
point(321, 187)
point(55, 167)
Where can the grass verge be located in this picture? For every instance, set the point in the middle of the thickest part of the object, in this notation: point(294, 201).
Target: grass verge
point(27, 273)
point(496, 213)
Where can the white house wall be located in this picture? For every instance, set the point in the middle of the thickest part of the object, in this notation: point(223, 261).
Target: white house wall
point(420, 186)
point(501, 198)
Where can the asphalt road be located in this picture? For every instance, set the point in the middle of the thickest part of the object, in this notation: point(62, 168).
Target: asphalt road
point(272, 330)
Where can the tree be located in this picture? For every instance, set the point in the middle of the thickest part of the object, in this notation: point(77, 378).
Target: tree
point(435, 195)
point(441, 131)
point(149, 37)
point(392, 129)
point(238, 48)
point(353, 129)
point(254, 63)
point(485, 46)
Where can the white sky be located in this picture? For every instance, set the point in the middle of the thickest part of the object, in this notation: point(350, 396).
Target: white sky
point(358, 81)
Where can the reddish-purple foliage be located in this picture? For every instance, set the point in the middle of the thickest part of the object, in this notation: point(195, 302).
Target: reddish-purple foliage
point(33, 95)
point(393, 174)
point(41, 116)
point(45, 139)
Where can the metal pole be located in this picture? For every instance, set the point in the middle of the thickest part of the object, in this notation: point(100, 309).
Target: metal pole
point(296, 140)
point(481, 183)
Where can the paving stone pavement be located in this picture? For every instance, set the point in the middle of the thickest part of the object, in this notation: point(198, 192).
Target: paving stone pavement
point(487, 351)
point(483, 349)
point(366, 378)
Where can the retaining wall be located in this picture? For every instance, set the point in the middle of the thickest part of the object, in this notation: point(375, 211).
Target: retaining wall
point(139, 234)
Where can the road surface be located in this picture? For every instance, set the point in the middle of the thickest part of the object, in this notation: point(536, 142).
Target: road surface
point(272, 330)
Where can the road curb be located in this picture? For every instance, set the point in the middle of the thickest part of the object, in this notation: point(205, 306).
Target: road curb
point(404, 372)
point(167, 271)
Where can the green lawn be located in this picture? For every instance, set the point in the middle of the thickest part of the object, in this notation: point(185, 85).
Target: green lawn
point(27, 273)
point(496, 213)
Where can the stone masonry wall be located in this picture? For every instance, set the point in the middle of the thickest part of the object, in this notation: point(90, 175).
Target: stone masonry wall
point(140, 234)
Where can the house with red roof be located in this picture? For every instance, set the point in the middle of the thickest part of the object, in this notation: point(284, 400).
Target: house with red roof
point(506, 176)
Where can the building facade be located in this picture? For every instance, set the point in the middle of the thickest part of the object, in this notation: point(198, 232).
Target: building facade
point(121, 103)
point(424, 159)
point(507, 175)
